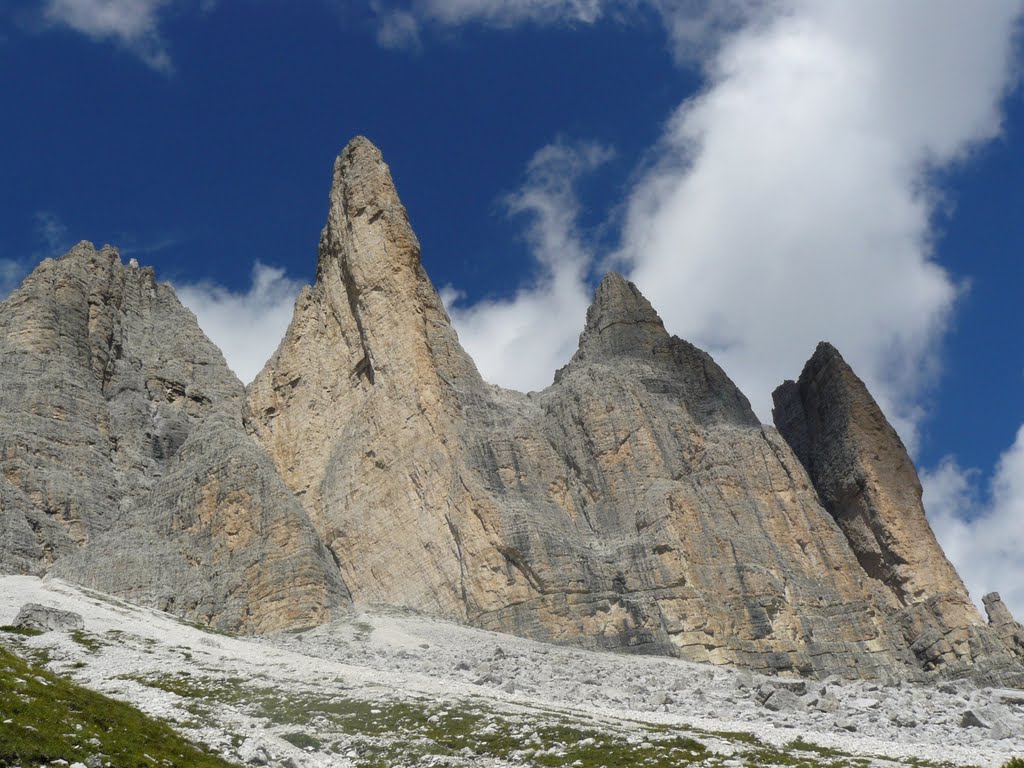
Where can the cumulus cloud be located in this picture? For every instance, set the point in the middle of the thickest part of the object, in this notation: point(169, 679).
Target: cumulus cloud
point(511, 339)
point(246, 325)
point(794, 199)
point(131, 24)
point(982, 533)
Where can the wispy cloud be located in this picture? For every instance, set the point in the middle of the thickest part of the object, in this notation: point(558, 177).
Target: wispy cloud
point(129, 245)
point(512, 339)
point(402, 24)
point(694, 27)
point(132, 24)
point(793, 199)
point(246, 325)
point(51, 233)
point(982, 530)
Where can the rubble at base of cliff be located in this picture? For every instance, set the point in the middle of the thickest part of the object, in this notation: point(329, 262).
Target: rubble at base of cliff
point(392, 688)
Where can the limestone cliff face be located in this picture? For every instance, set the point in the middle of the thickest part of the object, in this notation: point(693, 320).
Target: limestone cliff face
point(122, 459)
point(357, 407)
point(1006, 627)
point(867, 481)
point(637, 503)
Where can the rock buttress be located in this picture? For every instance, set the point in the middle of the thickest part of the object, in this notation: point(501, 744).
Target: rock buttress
point(105, 379)
point(867, 481)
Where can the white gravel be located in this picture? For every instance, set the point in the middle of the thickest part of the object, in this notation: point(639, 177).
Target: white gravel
point(387, 657)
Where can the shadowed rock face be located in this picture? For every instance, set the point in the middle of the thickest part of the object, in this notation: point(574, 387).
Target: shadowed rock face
point(123, 463)
point(867, 481)
point(1002, 621)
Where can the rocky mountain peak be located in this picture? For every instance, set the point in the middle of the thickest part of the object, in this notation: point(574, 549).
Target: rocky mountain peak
point(365, 214)
point(863, 474)
point(866, 480)
point(637, 503)
point(621, 320)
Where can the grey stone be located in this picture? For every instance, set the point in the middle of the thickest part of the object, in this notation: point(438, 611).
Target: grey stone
point(866, 480)
point(1008, 695)
point(799, 687)
point(863, 703)
point(827, 703)
point(48, 619)
point(845, 724)
point(123, 462)
point(783, 700)
point(635, 504)
point(904, 720)
point(996, 719)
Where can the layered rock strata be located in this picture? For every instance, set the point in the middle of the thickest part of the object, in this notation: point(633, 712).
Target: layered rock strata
point(637, 503)
point(123, 463)
point(867, 481)
point(1010, 631)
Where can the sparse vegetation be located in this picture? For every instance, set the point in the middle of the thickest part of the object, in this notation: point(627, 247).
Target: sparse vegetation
point(47, 718)
point(87, 641)
point(23, 631)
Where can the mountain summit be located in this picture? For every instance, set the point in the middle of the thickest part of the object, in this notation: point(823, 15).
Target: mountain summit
point(635, 504)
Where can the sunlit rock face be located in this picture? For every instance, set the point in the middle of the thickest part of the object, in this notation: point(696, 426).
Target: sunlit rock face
point(636, 504)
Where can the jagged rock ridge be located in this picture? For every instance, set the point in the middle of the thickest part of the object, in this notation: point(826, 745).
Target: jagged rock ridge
point(123, 462)
point(637, 503)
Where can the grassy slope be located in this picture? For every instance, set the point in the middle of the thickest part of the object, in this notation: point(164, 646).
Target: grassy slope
point(52, 718)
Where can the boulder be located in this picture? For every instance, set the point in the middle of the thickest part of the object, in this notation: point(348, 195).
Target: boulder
point(46, 618)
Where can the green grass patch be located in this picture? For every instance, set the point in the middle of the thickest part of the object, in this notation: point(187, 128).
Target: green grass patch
point(52, 718)
point(23, 631)
point(91, 643)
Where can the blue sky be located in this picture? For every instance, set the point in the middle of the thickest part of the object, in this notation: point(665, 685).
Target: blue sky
point(770, 173)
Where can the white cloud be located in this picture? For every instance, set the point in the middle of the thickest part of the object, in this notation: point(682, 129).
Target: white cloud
point(511, 340)
point(400, 24)
point(507, 12)
point(983, 537)
point(132, 24)
point(397, 28)
point(247, 326)
point(792, 200)
point(694, 27)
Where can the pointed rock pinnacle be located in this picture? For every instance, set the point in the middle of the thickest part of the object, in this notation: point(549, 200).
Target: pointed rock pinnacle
point(621, 320)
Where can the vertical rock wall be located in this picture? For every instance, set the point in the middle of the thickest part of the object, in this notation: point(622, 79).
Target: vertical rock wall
point(123, 463)
point(867, 481)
